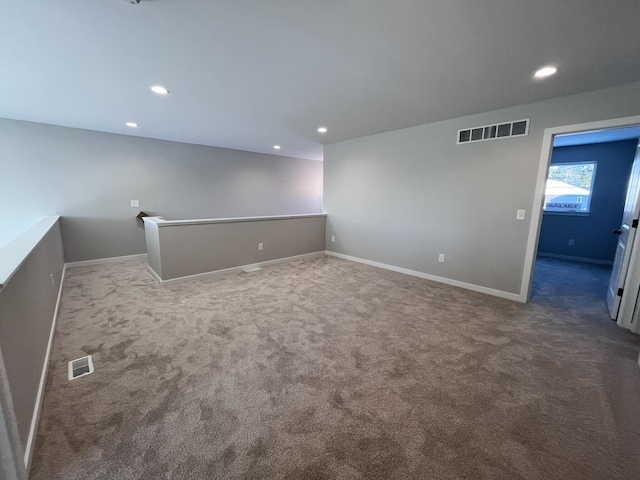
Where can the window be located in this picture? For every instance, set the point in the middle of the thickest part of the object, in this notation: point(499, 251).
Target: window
point(569, 187)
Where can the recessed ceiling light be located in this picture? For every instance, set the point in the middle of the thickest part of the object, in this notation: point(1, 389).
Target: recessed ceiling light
point(276, 147)
point(322, 130)
point(131, 124)
point(160, 90)
point(545, 72)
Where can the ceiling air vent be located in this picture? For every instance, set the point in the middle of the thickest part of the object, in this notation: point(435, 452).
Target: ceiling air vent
point(518, 128)
point(80, 367)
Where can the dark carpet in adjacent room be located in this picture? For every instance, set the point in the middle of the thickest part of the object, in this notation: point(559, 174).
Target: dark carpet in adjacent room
point(328, 369)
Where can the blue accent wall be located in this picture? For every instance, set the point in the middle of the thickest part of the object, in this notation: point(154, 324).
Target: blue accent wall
point(592, 233)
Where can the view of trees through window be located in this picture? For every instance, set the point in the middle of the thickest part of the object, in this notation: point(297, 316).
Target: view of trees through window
point(569, 187)
point(576, 174)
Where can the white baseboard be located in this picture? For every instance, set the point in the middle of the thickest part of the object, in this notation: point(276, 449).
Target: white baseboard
point(33, 430)
point(575, 259)
point(153, 273)
point(468, 286)
point(238, 269)
point(101, 261)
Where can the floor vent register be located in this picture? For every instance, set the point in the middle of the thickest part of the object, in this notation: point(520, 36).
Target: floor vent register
point(80, 367)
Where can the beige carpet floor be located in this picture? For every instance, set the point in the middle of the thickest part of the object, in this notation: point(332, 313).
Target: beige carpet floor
point(328, 369)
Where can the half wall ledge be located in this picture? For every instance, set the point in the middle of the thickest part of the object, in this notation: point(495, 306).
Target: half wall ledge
point(13, 255)
point(180, 249)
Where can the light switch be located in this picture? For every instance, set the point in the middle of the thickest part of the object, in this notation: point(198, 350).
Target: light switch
point(520, 215)
point(135, 203)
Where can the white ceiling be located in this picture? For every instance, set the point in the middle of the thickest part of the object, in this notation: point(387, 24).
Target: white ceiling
point(248, 74)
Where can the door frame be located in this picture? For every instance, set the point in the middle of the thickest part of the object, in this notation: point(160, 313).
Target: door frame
point(538, 199)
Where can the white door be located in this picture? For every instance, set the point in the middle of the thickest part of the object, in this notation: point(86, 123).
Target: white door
point(626, 234)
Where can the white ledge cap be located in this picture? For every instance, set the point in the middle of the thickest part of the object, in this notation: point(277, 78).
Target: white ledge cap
point(161, 222)
point(14, 254)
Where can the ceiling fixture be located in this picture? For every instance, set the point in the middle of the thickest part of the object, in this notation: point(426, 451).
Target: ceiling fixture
point(160, 90)
point(131, 124)
point(545, 72)
point(276, 147)
point(322, 130)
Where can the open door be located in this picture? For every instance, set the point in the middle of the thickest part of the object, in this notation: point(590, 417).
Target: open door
point(626, 233)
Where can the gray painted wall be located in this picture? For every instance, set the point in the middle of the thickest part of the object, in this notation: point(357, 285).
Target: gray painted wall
point(403, 197)
point(90, 178)
point(185, 250)
point(11, 452)
point(27, 308)
point(592, 233)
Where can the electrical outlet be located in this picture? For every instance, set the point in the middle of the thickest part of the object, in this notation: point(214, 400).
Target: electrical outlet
point(572, 241)
point(333, 238)
point(53, 281)
point(520, 214)
point(261, 246)
point(135, 203)
point(441, 258)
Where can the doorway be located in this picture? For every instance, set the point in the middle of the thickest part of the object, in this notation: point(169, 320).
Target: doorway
point(577, 133)
point(584, 204)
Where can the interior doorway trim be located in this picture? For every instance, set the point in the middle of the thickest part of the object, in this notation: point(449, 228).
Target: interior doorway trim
point(538, 199)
